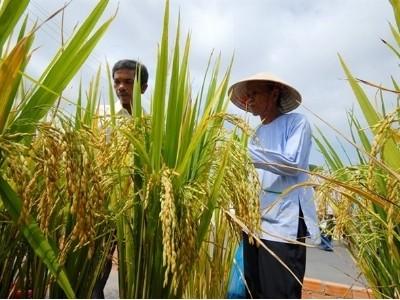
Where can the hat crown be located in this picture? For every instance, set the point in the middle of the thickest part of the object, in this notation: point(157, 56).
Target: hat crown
point(290, 97)
point(265, 77)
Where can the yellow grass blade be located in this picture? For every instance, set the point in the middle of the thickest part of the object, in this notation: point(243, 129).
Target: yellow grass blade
point(10, 76)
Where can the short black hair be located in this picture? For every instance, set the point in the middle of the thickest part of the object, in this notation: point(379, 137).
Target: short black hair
point(132, 65)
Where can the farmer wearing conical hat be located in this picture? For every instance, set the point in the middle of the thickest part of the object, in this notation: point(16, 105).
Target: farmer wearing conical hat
point(280, 150)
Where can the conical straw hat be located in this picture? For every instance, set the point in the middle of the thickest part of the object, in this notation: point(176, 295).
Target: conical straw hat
point(290, 98)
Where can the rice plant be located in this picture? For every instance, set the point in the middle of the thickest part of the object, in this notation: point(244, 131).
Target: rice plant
point(158, 185)
point(29, 191)
point(366, 194)
point(181, 165)
point(210, 274)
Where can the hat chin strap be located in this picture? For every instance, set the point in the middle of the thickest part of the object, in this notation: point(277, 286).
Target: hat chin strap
point(272, 109)
point(269, 119)
point(271, 114)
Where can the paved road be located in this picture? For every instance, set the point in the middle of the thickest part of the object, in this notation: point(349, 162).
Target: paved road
point(336, 266)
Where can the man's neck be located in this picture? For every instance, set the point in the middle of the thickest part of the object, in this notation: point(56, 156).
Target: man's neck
point(268, 118)
point(128, 108)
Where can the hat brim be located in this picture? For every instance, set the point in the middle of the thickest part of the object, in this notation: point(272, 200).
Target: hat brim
point(290, 98)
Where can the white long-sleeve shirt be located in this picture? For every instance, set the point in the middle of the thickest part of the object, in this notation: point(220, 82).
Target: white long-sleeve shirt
point(286, 141)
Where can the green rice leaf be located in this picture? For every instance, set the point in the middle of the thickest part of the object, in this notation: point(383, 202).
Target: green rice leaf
point(63, 69)
point(174, 106)
point(395, 34)
point(201, 130)
point(395, 85)
point(370, 113)
point(396, 10)
point(390, 152)
point(139, 148)
point(185, 120)
point(10, 13)
point(211, 205)
point(361, 135)
point(394, 50)
point(111, 97)
point(78, 112)
point(137, 95)
point(213, 82)
point(92, 99)
point(331, 163)
point(159, 95)
point(23, 29)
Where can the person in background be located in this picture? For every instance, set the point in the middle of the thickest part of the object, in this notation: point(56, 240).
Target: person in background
point(326, 235)
point(327, 219)
point(280, 150)
point(123, 74)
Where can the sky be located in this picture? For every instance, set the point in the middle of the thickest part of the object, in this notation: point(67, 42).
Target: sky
point(298, 40)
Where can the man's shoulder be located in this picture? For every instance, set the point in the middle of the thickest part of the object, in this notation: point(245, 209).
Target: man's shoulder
point(105, 109)
point(296, 120)
point(296, 117)
point(123, 112)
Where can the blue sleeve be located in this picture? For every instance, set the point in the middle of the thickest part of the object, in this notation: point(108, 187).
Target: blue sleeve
point(295, 154)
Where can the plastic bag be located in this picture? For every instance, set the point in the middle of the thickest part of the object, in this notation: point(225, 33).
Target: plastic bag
point(237, 287)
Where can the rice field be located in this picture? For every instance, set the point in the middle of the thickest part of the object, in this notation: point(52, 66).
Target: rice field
point(161, 186)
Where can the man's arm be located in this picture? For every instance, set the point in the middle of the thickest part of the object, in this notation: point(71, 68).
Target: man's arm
point(295, 154)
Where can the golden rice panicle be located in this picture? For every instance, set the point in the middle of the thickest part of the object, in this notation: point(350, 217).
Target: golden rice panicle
point(150, 184)
point(379, 140)
point(85, 189)
point(324, 199)
point(117, 150)
point(38, 169)
point(392, 184)
point(392, 216)
point(169, 225)
point(81, 180)
point(71, 156)
point(344, 210)
point(64, 251)
point(97, 192)
point(97, 197)
point(49, 163)
point(96, 172)
point(192, 198)
point(253, 198)
point(73, 176)
point(243, 187)
point(87, 208)
point(236, 121)
point(23, 177)
point(28, 196)
point(186, 243)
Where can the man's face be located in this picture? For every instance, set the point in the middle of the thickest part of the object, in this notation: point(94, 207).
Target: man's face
point(123, 85)
point(260, 99)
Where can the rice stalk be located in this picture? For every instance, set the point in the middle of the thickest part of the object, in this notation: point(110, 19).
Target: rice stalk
point(368, 206)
